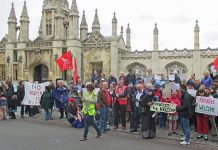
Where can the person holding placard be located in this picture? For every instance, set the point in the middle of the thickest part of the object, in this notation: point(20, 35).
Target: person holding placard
point(173, 117)
point(202, 121)
point(148, 118)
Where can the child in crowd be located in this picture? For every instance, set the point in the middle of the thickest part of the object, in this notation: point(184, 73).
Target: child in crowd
point(173, 117)
point(202, 120)
point(3, 106)
point(79, 118)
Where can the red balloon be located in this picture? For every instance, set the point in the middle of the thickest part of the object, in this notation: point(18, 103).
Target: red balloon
point(215, 63)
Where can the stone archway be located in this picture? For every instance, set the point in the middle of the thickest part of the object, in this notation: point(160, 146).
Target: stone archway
point(40, 73)
point(180, 68)
point(138, 68)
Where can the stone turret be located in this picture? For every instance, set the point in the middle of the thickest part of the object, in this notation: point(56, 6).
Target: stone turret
point(59, 23)
point(12, 24)
point(114, 25)
point(155, 38)
point(196, 36)
point(83, 27)
point(128, 38)
point(24, 24)
point(96, 23)
point(74, 21)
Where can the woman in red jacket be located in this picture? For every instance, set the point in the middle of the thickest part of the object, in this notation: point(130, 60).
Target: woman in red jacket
point(173, 117)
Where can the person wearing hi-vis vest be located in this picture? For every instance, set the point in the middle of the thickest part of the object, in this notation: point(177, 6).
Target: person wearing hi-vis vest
point(89, 101)
point(120, 104)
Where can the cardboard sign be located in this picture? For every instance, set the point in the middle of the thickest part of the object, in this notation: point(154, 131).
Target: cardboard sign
point(147, 80)
point(207, 105)
point(192, 92)
point(166, 92)
point(33, 93)
point(171, 77)
point(174, 86)
point(157, 77)
point(163, 107)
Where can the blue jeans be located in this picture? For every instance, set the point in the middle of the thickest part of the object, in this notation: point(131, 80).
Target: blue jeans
point(107, 114)
point(185, 128)
point(89, 120)
point(48, 114)
point(102, 120)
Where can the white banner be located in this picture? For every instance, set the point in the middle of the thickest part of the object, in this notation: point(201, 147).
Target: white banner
point(207, 105)
point(33, 93)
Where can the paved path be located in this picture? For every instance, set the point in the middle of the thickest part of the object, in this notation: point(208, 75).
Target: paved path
point(29, 135)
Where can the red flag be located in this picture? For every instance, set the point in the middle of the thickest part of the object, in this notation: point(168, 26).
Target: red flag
point(65, 61)
point(75, 73)
point(215, 63)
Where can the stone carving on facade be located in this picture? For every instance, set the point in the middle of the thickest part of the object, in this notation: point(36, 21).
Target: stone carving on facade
point(3, 42)
point(39, 44)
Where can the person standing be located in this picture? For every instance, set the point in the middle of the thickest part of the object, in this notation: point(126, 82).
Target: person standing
point(120, 104)
point(61, 97)
point(207, 81)
point(20, 96)
point(47, 102)
point(173, 117)
point(148, 118)
point(185, 112)
point(130, 78)
point(202, 121)
point(103, 100)
point(89, 101)
point(139, 94)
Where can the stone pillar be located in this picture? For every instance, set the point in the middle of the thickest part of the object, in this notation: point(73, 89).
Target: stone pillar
point(114, 57)
point(155, 62)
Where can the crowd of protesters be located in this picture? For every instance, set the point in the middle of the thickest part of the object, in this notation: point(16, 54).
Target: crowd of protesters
point(122, 100)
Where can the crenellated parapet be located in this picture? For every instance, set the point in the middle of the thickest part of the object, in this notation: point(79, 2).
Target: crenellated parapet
point(171, 54)
point(209, 53)
point(135, 55)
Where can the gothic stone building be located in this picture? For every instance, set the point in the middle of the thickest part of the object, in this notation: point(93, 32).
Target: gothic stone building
point(59, 31)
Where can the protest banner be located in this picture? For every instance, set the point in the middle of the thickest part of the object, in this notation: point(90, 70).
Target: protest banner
point(84, 91)
point(163, 107)
point(206, 105)
point(171, 77)
point(33, 93)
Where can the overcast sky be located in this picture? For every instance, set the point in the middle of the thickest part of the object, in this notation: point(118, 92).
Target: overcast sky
point(175, 19)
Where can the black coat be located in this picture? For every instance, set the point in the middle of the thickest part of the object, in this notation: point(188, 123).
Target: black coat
point(185, 110)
